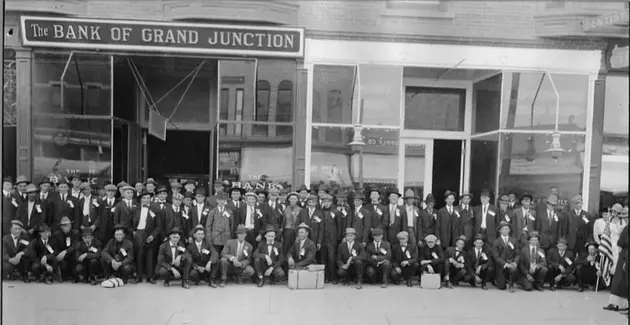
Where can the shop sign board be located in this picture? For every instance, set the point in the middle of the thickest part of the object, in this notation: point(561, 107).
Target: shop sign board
point(616, 18)
point(167, 37)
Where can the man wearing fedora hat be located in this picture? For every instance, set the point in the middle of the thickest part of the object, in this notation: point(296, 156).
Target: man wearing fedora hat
point(87, 254)
point(465, 224)
point(236, 258)
point(481, 266)
point(15, 252)
point(43, 256)
point(487, 217)
point(118, 256)
point(200, 210)
point(172, 261)
point(21, 182)
point(457, 263)
point(302, 252)
point(378, 260)
point(272, 213)
point(64, 204)
point(587, 267)
point(105, 229)
point(220, 223)
point(410, 215)
point(87, 212)
point(504, 213)
point(359, 219)
point(549, 223)
point(444, 223)
point(171, 217)
point(560, 266)
point(147, 222)
point(393, 214)
point(342, 210)
point(427, 221)
point(10, 203)
point(150, 185)
point(533, 264)
point(203, 259)
point(63, 241)
point(302, 195)
point(377, 210)
point(524, 220)
point(351, 258)
point(312, 216)
point(31, 212)
point(45, 197)
point(506, 257)
point(176, 188)
point(404, 259)
point(125, 210)
point(269, 258)
point(578, 226)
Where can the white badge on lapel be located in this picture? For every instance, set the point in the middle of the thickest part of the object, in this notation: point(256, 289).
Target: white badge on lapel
point(96, 205)
point(332, 214)
point(39, 208)
point(507, 218)
point(457, 213)
point(483, 255)
point(113, 209)
point(181, 249)
point(67, 241)
point(93, 249)
point(245, 252)
point(383, 251)
point(205, 251)
point(510, 244)
point(568, 261)
point(226, 214)
point(185, 215)
point(205, 212)
point(434, 255)
point(123, 252)
point(407, 254)
point(531, 217)
point(490, 212)
point(397, 212)
point(415, 213)
point(275, 250)
point(354, 253)
point(71, 204)
point(435, 216)
point(302, 252)
point(460, 259)
point(24, 242)
point(555, 217)
point(380, 213)
point(360, 215)
point(259, 213)
point(585, 219)
point(317, 219)
point(541, 254)
point(152, 214)
point(14, 202)
point(50, 249)
point(343, 211)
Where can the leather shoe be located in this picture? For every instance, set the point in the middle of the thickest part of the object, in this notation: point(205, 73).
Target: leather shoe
point(409, 284)
point(26, 279)
point(484, 287)
point(511, 288)
point(239, 280)
point(612, 307)
point(166, 284)
point(93, 282)
point(47, 280)
point(553, 287)
point(581, 289)
point(334, 282)
point(151, 280)
point(185, 285)
point(539, 288)
point(384, 285)
point(359, 286)
point(212, 284)
point(449, 285)
point(261, 282)
point(134, 281)
point(222, 284)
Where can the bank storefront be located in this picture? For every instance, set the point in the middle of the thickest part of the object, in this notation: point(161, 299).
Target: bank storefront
point(126, 100)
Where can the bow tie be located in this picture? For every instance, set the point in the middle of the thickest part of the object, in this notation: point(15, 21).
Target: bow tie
point(145, 206)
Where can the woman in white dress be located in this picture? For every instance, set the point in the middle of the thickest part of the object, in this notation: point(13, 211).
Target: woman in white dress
point(617, 222)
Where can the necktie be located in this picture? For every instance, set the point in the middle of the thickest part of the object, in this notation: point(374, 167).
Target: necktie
point(63, 197)
point(378, 246)
point(550, 216)
point(485, 210)
point(505, 240)
point(392, 215)
point(478, 253)
point(449, 210)
point(269, 249)
point(350, 248)
point(533, 257)
point(236, 204)
point(239, 250)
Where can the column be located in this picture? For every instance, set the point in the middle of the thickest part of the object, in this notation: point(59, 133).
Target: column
point(597, 142)
point(299, 127)
point(24, 58)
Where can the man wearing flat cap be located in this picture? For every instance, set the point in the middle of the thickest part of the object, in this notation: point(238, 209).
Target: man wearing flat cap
point(236, 258)
point(269, 258)
point(220, 223)
point(506, 257)
point(150, 185)
point(549, 223)
point(533, 264)
point(31, 212)
point(587, 267)
point(427, 221)
point(524, 220)
point(432, 257)
point(87, 254)
point(125, 210)
point(378, 260)
point(117, 258)
point(404, 259)
point(64, 241)
point(487, 217)
point(105, 230)
point(15, 252)
point(44, 257)
point(578, 226)
point(173, 261)
point(359, 219)
point(560, 266)
point(302, 253)
point(272, 213)
point(147, 222)
point(481, 267)
point(203, 259)
point(457, 263)
point(351, 258)
point(312, 216)
point(87, 212)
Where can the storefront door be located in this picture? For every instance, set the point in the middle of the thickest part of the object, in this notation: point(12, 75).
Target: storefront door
point(415, 166)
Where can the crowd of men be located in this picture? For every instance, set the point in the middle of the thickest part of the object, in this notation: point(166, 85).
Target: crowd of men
point(152, 232)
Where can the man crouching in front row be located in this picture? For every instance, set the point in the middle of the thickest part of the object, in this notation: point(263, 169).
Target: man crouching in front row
point(203, 259)
point(269, 258)
point(235, 258)
point(172, 261)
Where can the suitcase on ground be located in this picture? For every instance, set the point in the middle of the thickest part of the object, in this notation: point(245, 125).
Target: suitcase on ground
point(309, 278)
point(430, 281)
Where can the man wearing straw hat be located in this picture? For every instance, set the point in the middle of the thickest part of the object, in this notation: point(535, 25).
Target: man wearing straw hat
point(350, 258)
point(410, 215)
point(302, 253)
point(64, 241)
point(44, 256)
point(269, 258)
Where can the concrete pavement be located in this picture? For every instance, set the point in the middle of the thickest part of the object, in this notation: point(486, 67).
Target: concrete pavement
point(68, 304)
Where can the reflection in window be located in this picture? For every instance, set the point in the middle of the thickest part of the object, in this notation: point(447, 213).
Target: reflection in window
point(487, 101)
point(337, 85)
point(530, 101)
point(380, 94)
point(284, 108)
point(415, 162)
point(484, 152)
point(262, 106)
point(434, 109)
point(526, 166)
point(239, 110)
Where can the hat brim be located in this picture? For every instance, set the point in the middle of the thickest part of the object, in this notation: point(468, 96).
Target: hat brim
point(531, 198)
point(410, 197)
point(240, 190)
point(175, 232)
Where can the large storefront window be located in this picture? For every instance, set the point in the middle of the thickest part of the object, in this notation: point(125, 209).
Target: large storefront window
point(380, 94)
point(484, 153)
point(9, 115)
point(434, 108)
point(334, 94)
point(72, 116)
point(528, 166)
point(530, 102)
point(487, 103)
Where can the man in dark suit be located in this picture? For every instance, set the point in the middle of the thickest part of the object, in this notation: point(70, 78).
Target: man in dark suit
point(272, 211)
point(359, 219)
point(431, 256)
point(533, 264)
point(46, 197)
point(236, 204)
point(457, 263)
point(486, 218)
point(548, 223)
point(171, 217)
point(236, 257)
point(87, 211)
point(161, 194)
point(524, 220)
point(63, 241)
point(379, 255)
point(351, 258)
point(393, 213)
point(211, 201)
point(465, 223)
point(577, 227)
point(302, 252)
point(512, 203)
point(186, 212)
point(31, 212)
point(251, 217)
point(21, 182)
point(302, 196)
point(481, 266)
point(117, 256)
point(427, 221)
point(10, 203)
point(312, 217)
point(411, 216)
point(172, 260)
point(125, 210)
point(200, 211)
point(203, 259)
point(105, 229)
point(506, 258)
point(15, 252)
point(87, 254)
point(146, 231)
point(404, 259)
point(44, 256)
point(503, 213)
point(377, 210)
point(587, 267)
point(444, 224)
point(560, 265)
point(65, 205)
point(329, 238)
point(269, 258)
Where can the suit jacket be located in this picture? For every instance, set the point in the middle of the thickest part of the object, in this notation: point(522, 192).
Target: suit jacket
point(464, 224)
point(521, 223)
point(314, 221)
point(203, 256)
point(434, 254)
point(343, 254)
point(114, 251)
point(153, 226)
point(342, 212)
point(549, 229)
point(238, 213)
point(219, 226)
point(459, 256)
point(170, 220)
point(582, 260)
point(379, 220)
point(484, 260)
point(196, 218)
point(271, 217)
point(166, 257)
point(276, 254)
point(505, 253)
point(60, 243)
point(93, 251)
point(577, 229)
point(67, 208)
point(415, 216)
point(567, 261)
point(230, 249)
point(106, 218)
point(36, 217)
point(492, 221)
point(394, 222)
point(123, 215)
point(9, 249)
point(305, 257)
point(384, 253)
point(93, 216)
point(9, 211)
point(526, 259)
point(37, 249)
point(49, 206)
point(398, 255)
point(513, 206)
point(507, 216)
point(361, 222)
point(444, 227)
point(185, 221)
point(331, 222)
point(427, 223)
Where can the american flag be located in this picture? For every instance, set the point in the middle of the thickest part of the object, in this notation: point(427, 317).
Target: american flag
point(605, 251)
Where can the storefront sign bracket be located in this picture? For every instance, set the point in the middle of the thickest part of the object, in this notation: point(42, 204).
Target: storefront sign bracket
point(63, 77)
point(449, 70)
